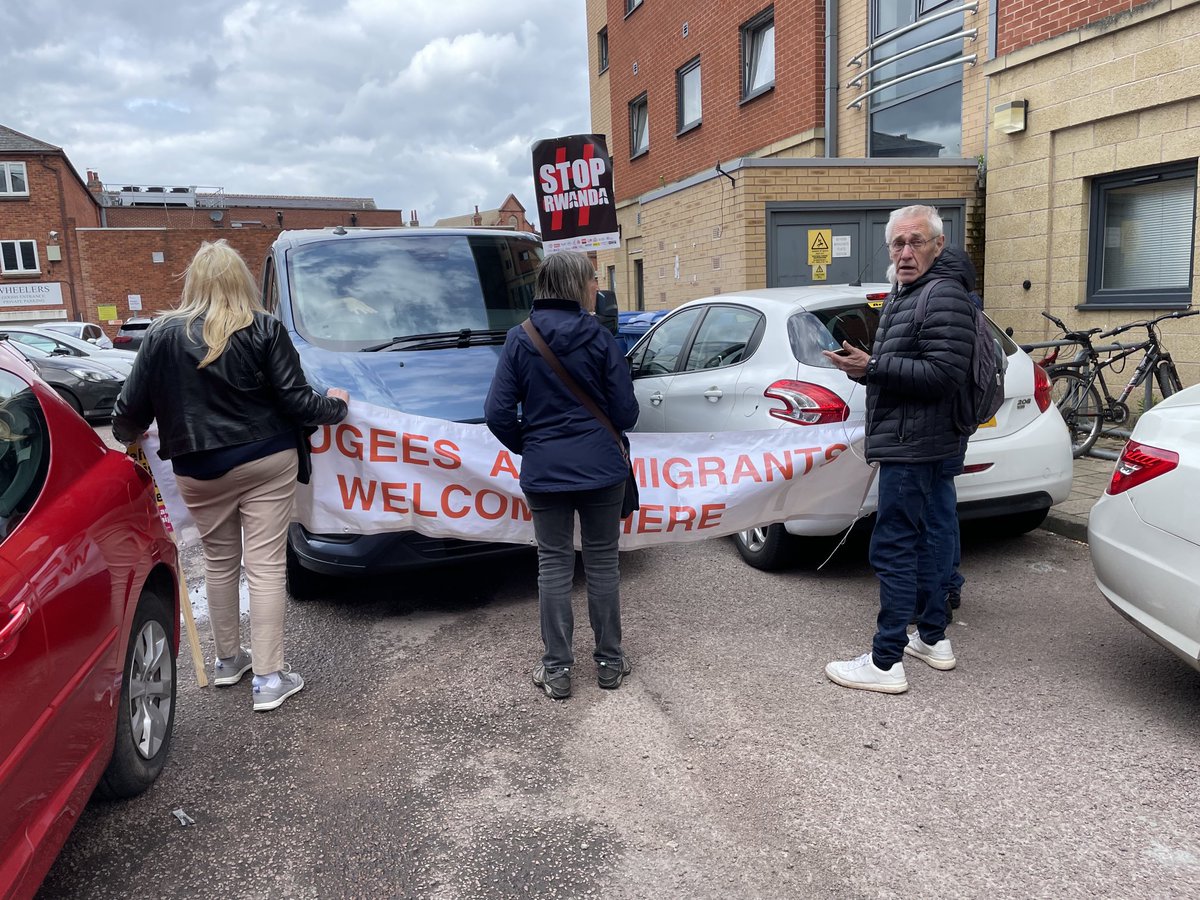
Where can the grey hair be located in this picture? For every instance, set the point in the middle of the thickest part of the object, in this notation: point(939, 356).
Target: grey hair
point(928, 213)
point(564, 275)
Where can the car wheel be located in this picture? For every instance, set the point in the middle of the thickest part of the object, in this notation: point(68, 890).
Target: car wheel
point(765, 547)
point(71, 399)
point(1018, 523)
point(146, 713)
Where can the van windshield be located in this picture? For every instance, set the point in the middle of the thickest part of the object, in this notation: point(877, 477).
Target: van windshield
point(348, 294)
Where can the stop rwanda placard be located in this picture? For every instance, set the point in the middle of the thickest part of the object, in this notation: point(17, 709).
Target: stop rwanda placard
point(573, 183)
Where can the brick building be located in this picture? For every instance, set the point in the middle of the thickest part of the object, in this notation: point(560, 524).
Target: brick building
point(741, 130)
point(510, 214)
point(69, 248)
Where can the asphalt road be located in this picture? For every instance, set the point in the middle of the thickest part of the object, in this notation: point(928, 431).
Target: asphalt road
point(1059, 759)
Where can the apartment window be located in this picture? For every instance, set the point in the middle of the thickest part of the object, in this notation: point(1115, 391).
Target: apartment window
point(917, 116)
point(631, 5)
point(602, 49)
point(758, 54)
point(639, 127)
point(19, 258)
point(1141, 235)
point(12, 179)
point(687, 93)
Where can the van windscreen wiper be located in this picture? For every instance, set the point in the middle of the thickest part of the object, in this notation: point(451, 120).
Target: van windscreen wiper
point(439, 340)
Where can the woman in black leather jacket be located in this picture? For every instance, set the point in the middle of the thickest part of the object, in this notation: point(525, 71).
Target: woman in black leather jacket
point(224, 382)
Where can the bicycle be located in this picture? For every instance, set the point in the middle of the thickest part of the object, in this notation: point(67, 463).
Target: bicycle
point(1073, 384)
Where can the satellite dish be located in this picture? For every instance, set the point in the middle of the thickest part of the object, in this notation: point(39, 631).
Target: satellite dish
point(216, 216)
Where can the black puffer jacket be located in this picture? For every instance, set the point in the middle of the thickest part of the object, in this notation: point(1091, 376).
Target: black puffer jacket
point(254, 390)
point(918, 369)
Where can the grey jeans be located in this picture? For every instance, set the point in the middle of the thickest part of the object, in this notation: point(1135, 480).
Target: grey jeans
point(600, 528)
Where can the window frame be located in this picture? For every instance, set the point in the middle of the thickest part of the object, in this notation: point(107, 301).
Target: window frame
point(681, 127)
point(631, 6)
point(752, 27)
point(642, 101)
point(21, 270)
point(6, 171)
point(602, 49)
point(1096, 297)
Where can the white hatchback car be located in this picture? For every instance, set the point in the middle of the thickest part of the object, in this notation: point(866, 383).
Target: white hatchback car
point(752, 360)
point(84, 331)
point(1143, 533)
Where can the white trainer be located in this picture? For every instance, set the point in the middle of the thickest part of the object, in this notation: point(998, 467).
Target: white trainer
point(862, 674)
point(938, 655)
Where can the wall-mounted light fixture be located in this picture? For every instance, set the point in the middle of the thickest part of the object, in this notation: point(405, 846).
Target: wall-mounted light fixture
point(279, 218)
point(54, 235)
point(353, 218)
point(1009, 118)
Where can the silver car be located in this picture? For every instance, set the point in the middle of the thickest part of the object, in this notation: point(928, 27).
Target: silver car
point(752, 360)
point(84, 331)
point(59, 344)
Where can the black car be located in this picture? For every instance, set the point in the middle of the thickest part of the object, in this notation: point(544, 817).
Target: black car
point(130, 334)
point(90, 388)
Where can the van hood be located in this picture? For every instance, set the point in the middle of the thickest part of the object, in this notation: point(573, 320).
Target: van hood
point(443, 384)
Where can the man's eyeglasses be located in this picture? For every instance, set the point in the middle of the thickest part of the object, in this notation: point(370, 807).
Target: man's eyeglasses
point(897, 246)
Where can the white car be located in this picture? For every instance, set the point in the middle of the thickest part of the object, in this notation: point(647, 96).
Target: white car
point(84, 331)
point(752, 360)
point(1145, 535)
point(57, 343)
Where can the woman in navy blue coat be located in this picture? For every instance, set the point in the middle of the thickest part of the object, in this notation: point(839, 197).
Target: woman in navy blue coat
point(570, 462)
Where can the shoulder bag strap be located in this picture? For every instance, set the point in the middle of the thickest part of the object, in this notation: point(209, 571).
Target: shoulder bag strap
point(573, 386)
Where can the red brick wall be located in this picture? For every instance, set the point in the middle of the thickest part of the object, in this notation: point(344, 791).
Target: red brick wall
point(35, 216)
point(118, 262)
point(652, 37)
point(168, 217)
point(1021, 23)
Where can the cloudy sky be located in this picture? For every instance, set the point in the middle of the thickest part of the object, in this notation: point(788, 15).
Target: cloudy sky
point(429, 105)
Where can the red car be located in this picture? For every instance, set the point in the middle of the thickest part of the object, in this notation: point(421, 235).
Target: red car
point(89, 625)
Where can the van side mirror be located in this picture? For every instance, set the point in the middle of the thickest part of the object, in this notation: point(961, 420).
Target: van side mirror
point(606, 309)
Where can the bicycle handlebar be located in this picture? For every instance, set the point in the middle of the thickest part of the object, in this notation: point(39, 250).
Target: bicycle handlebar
point(1150, 323)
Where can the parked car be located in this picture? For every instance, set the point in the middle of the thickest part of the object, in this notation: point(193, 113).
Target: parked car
point(84, 331)
point(58, 344)
point(1145, 544)
point(89, 613)
point(412, 319)
point(130, 334)
point(752, 360)
point(89, 388)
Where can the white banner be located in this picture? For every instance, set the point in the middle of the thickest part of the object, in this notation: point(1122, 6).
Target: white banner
point(383, 470)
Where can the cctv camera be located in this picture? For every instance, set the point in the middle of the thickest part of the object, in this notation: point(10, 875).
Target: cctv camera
point(54, 235)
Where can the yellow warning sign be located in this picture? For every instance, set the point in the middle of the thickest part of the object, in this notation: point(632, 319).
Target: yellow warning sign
point(818, 272)
point(820, 246)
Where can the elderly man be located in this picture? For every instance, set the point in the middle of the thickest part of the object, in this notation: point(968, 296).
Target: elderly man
point(915, 374)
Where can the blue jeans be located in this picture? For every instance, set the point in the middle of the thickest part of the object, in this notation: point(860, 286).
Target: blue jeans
point(912, 551)
point(600, 529)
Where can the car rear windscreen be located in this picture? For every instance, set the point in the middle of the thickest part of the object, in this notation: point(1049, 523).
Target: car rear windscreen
point(350, 293)
point(825, 329)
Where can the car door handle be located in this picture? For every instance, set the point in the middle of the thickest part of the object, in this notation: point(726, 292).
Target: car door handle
point(18, 618)
point(713, 395)
point(656, 398)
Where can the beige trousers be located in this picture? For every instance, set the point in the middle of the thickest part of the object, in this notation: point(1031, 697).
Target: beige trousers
point(245, 513)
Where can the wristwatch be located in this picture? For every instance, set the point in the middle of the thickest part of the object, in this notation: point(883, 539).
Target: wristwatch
point(871, 365)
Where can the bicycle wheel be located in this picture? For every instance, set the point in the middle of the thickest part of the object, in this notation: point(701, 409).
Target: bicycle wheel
point(1168, 378)
point(1079, 404)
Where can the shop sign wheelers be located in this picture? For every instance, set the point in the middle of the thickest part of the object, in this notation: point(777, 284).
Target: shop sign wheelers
point(573, 182)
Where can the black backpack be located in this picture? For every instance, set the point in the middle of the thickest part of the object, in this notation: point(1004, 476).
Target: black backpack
point(983, 395)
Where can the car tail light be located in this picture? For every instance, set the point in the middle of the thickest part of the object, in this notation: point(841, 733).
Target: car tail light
point(122, 339)
point(806, 404)
point(976, 467)
point(881, 295)
point(1041, 388)
point(1138, 464)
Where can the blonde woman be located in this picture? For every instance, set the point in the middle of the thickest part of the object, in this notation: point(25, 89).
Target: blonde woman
point(224, 382)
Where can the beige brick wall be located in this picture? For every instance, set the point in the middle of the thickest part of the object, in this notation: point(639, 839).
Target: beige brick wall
point(1108, 100)
point(718, 232)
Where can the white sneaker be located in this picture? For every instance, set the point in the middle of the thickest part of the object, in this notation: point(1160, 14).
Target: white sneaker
point(938, 655)
point(864, 675)
point(229, 671)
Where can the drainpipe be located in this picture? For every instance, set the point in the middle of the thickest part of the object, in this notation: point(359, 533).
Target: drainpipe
point(831, 78)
